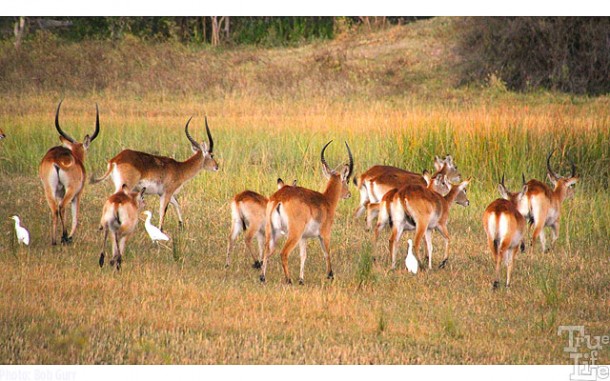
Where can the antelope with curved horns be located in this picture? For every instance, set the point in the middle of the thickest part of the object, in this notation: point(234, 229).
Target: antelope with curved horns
point(305, 213)
point(418, 208)
point(62, 172)
point(505, 229)
point(545, 203)
point(248, 216)
point(120, 218)
point(161, 175)
point(374, 183)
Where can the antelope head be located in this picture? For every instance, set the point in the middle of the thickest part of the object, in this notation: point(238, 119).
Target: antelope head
point(517, 198)
point(208, 162)
point(343, 172)
point(564, 184)
point(77, 148)
point(451, 169)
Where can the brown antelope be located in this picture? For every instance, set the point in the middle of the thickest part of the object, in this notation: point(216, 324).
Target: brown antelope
point(544, 203)
point(380, 179)
point(2, 134)
point(505, 228)
point(303, 213)
point(415, 207)
point(436, 182)
point(161, 175)
point(120, 218)
point(62, 172)
point(248, 216)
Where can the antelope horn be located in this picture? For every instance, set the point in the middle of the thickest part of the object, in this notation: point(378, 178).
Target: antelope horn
point(207, 131)
point(502, 182)
point(322, 156)
point(548, 166)
point(97, 124)
point(351, 161)
point(186, 130)
point(61, 132)
point(573, 168)
point(523, 178)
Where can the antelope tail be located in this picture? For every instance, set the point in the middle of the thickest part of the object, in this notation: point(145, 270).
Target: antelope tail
point(93, 180)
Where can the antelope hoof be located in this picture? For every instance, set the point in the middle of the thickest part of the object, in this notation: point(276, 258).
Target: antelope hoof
point(262, 278)
point(288, 281)
point(330, 275)
point(101, 261)
point(257, 265)
point(496, 284)
point(443, 263)
point(65, 239)
point(522, 247)
point(301, 281)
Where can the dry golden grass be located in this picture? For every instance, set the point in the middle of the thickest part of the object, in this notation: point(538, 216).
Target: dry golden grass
point(183, 307)
point(390, 95)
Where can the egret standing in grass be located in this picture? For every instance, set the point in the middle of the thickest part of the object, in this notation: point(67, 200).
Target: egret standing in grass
point(23, 236)
point(153, 232)
point(411, 261)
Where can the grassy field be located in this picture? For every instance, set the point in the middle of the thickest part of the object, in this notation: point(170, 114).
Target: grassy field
point(181, 306)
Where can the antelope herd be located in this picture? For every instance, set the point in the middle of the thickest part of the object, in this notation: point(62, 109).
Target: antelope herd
point(400, 199)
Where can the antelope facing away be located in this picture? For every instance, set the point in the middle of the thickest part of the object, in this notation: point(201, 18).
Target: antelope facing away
point(160, 175)
point(305, 213)
point(545, 203)
point(248, 215)
point(505, 229)
point(62, 172)
point(418, 208)
point(120, 218)
point(380, 179)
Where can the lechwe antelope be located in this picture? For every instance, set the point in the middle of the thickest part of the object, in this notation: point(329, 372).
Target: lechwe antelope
point(120, 218)
point(437, 182)
point(160, 175)
point(248, 215)
point(62, 172)
point(380, 179)
point(505, 229)
point(2, 134)
point(418, 208)
point(303, 213)
point(545, 204)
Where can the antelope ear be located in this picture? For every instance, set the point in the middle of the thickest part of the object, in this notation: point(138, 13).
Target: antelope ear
point(523, 192)
point(464, 183)
point(551, 179)
point(438, 163)
point(326, 171)
point(86, 141)
point(65, 142)
point(503, 191)
point(427, 176)
point(280, 183)
point(344, 172)
point(572, 181)
point(204, 147)
point(124, 188)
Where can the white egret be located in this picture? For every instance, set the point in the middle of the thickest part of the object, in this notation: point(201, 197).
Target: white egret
point(411, 261)
point(23, 236)
point(153, 232)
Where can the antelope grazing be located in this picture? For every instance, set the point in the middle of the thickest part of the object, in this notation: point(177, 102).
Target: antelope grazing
point(418, 208)
point(248, 215)
point(120, 217)
point(380, 179)
point(545, 204)
point(505, 228)
point(62, 172)
point(161, 175)
point(303, 214)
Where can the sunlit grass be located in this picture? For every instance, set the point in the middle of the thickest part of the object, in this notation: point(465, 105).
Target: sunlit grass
point(180, 305)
